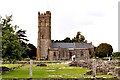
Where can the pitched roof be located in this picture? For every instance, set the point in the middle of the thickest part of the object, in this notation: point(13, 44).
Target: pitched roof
point(72, 45)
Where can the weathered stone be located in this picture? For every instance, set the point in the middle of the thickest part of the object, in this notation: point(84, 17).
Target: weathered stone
point(44, 34)
point(41, 64)
point(102, 67)
point(44, 43)
point(117, 71)
point(73, 64)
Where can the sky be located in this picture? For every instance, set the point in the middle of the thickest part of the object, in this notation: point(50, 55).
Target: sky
point(97, 20)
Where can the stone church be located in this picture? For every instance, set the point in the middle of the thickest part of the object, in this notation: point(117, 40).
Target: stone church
point(46, 49)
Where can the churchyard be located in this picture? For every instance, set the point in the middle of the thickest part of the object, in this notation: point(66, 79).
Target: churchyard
point(54, 69)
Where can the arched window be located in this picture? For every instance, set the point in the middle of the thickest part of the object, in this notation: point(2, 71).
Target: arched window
point(42, 36)
point(81, 53)
point(54, 53)
point(63, 53)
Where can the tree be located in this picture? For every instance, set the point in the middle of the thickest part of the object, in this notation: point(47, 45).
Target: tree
point(116, 54)
point(79, 38)
point(0, 41)
point(12, 48)
point(21, 35)
point(103, 50)
point(67, 39)
point(31, 52)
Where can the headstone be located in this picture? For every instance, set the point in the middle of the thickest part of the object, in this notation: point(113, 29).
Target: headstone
point(73, 58)
point(109, 58)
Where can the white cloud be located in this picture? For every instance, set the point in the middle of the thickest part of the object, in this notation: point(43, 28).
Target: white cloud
point(96, 19)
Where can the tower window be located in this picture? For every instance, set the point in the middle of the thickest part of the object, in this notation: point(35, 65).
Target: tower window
point(42, 36)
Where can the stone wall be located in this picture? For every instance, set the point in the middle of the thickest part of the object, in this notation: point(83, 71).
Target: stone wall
point(59, 54)
point(65, 54)
point(53, 55)
point(102, 67)
point(44, 34)
point(82, 54)
point(45, 44)
point(117, 71)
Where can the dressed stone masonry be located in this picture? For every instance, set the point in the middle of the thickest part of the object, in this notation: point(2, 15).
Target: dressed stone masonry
point(46, 49)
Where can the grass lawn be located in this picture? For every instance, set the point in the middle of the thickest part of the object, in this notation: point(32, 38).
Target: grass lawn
point(117, 66)
point(10, 65)
point(51, 71)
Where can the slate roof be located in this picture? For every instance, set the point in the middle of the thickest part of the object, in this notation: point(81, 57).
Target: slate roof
point(72, 45)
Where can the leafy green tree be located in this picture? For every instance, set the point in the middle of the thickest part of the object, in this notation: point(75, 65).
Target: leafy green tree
point(116, 54)
point(31, 52)
point(79, 38)
point(103, 50)
point(12, 48)
point(22, 35)
point(67, 39)
point(0, 41)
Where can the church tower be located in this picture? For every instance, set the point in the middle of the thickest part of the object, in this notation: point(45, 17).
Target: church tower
point(44, 34)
